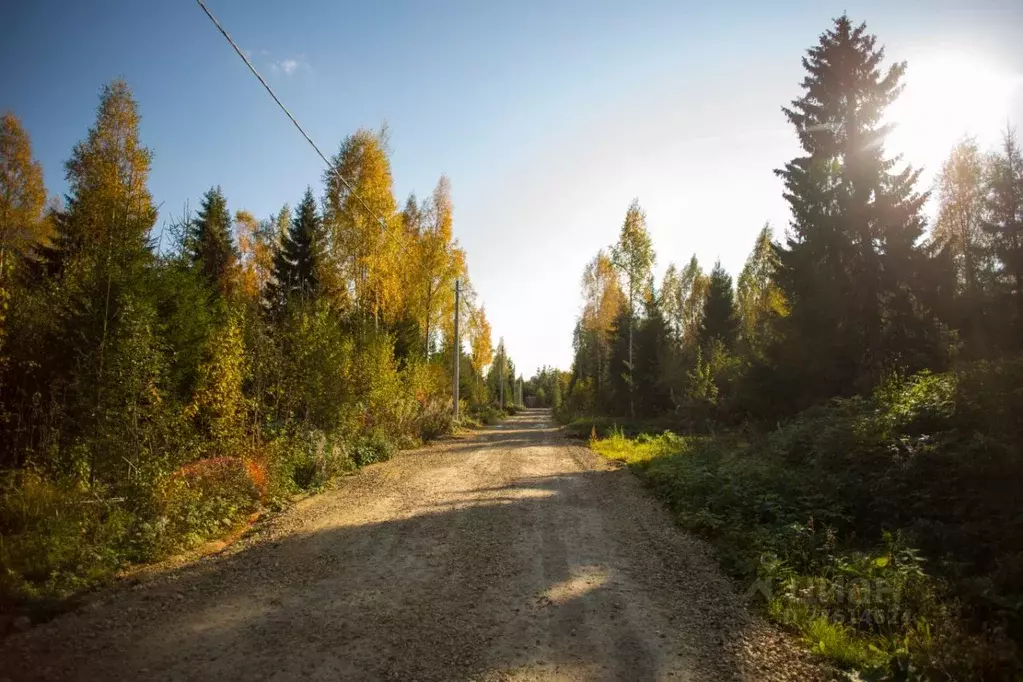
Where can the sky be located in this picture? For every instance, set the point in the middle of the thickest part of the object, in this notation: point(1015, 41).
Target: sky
point(548, 117)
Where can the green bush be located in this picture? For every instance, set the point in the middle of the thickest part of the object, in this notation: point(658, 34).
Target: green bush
point(885, 529)
point(485, 414)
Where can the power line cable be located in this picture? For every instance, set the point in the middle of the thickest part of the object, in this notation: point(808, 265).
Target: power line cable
point(348, 185)
point(294, 121)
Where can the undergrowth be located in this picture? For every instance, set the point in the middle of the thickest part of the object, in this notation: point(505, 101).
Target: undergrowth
point(886, 530)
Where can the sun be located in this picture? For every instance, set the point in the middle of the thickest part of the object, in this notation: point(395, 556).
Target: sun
point(946, 97)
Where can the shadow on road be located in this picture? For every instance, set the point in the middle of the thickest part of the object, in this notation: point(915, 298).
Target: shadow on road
point(537, 576)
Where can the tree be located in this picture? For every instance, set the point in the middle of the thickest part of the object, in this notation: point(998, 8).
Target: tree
point(95, 355)
point(298, 262)
point(481, 346)
point(439, 261)
point(963, 253)
point(22, 196)
point(682, 297)
point(1005, 222)
point(209, 243)
point(652, 348)
point(501, 376)
point(633, 255)
point(602, 301)
point(962, 202)
point(365, 253)
point(109, 210)
point(719, 323)
point(760, 300)
point(257, 245)
point(848, 268)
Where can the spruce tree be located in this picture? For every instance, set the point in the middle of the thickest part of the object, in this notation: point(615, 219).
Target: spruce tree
point(652, 346)
point(719, 322)
point(209, 242)
point(298, 260)
point(850, 262)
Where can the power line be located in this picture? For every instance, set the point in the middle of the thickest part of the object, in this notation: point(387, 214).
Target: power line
point(383, 223)
point(294, 121)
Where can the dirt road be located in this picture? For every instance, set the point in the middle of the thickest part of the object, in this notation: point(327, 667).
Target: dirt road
point(510, 554)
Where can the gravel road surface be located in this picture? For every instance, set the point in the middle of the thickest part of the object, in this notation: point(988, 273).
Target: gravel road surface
point(511, 554)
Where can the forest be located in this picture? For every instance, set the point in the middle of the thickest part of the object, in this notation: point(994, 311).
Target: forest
point(160, 385)
point(843, 420)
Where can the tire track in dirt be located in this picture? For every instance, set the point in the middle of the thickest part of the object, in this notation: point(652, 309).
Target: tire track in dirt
point(511, 554)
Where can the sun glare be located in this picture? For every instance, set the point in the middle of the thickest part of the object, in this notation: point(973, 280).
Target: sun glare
point(947, 97)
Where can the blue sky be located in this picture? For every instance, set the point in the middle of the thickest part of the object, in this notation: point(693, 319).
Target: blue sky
point(549, 117)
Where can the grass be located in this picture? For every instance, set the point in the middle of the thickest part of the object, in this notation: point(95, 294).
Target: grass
point(603, 427)
point(642, 449)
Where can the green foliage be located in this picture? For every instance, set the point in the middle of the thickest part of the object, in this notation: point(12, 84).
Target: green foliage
point(849, 267)
point(298, 263)
point(719, 322)
point(208, 242)
point(881, 528)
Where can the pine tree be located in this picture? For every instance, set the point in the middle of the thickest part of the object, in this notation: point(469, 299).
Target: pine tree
point(719, 322)
point(850, 261)
point(209, 243)
point(298, 261)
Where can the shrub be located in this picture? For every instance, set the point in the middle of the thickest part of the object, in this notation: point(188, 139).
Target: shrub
point(885, 529)
point(205, 497)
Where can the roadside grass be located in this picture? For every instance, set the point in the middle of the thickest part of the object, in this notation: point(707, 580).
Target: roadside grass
point(603, 427)
point(884, 531)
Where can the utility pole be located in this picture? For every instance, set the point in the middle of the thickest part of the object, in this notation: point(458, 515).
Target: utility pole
point(502, 378)
point(457, 348)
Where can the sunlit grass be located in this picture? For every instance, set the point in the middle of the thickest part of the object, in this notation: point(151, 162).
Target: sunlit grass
point(643, 449)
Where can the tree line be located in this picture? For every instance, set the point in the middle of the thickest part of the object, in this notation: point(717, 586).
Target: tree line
point(854, 290)
point(155, 384)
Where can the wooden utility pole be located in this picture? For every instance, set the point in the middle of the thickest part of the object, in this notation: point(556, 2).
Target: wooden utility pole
point(502, 377)
point(457, 348)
